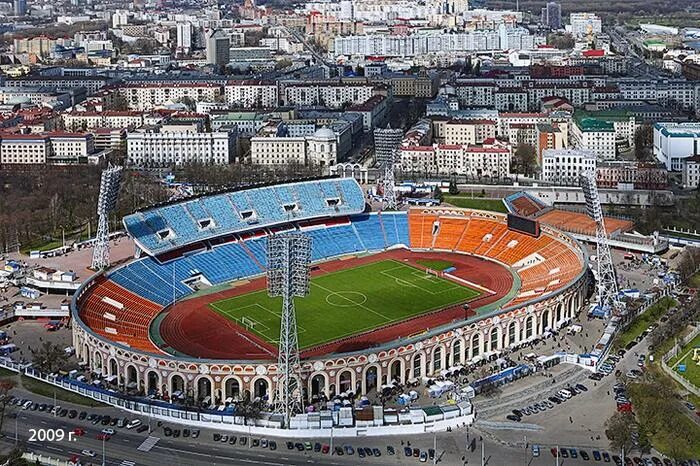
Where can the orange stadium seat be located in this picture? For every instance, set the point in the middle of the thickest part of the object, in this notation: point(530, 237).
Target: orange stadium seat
point(119, 315)
point(451, 229)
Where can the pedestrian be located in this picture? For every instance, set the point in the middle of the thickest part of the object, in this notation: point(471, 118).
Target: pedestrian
point(571, 420)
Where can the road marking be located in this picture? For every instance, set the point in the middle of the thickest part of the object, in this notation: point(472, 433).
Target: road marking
point(50, 447)
point(127, 463)
point(147, 444)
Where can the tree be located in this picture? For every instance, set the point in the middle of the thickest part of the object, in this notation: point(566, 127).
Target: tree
point(643, 140)
point(525, 157)
point(49, 357)
point(561, 41)
point(618, 429)
point(6, 385)
point(437, 194)
point(452, 189)
point(249, 409)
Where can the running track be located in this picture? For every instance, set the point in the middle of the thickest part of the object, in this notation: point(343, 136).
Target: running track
point(193, 328)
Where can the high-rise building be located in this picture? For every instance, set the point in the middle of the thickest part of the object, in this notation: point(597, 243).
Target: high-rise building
point(583, 24)
point(184, 36)
point(20, 7)
point(551, 15)
point(218, 48)
point(386, 144)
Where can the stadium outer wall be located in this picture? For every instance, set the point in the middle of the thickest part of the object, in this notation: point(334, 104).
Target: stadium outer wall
point(404, 359)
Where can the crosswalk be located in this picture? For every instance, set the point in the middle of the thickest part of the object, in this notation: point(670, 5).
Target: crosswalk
point(148, 443)
point(127, 463)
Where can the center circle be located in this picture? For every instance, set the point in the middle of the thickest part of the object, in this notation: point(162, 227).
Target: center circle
point(346, 298)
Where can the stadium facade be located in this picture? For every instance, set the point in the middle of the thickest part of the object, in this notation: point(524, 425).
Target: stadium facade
point(216, 239)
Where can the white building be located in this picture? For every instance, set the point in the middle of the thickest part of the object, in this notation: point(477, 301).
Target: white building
point(582, 24)
point(251, 94)
point(153, 147)
point(321, 148)
point(417, 45)
point(674, 142)
point(184, 36)
point(595, 135)
point(445, 159)
point(332, 95)
point(147, 96)
point(691, 172)
point(565, 165)
point(25, 149)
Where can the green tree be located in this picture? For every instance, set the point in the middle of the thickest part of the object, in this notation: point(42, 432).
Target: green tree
point(437, 194)
point(452, 189)
point(643, 140)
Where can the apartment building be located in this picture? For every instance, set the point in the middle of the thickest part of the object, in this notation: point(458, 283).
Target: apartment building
point(163, 146)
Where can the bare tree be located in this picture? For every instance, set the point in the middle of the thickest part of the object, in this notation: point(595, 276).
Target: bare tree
point(6, 385)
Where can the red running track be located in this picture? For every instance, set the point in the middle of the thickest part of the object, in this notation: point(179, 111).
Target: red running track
point(193, 328)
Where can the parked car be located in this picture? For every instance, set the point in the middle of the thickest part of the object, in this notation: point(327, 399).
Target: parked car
point(535, 451)
point(89, 453)
point(273, 446)
point(141, 429)
point(423, 457)
point(133, 423)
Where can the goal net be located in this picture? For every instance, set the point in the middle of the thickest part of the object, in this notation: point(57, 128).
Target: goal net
point(248, 323)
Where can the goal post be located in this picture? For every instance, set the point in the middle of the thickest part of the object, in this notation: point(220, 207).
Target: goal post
point(248, 323)
point(432, 272)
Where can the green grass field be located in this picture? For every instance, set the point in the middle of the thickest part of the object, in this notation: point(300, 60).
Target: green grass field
point(348, 302)
point(685, 356)
point(464, 202)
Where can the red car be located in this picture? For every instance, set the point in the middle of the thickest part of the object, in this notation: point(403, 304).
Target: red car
point(325, 449)
point(78, 432)
point(75, 459)
point(104, 437)
point(554, 452)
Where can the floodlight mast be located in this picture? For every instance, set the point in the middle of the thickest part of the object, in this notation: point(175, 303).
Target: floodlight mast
point(606, 286)
point(288, 258)
point(110, 184)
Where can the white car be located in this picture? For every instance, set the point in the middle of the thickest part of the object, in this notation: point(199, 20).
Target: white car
point(108, 431)
point(134, 423)
point(89, 453)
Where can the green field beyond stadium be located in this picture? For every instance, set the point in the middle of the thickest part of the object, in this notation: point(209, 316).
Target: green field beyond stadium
point(685, 357)
point(348, 302)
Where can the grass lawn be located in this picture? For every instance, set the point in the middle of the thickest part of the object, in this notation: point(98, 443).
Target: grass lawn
point(6, 372)
point(40, 388)
point(643, 321)
point(694, 281)
point(685, 356)
point(348, 302)
point(40, 246)
point(495, 205)
point(435, 264)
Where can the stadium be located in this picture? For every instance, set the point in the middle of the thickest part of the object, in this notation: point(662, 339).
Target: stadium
point(393, 295)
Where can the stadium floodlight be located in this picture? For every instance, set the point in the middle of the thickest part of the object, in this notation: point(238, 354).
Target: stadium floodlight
point(606, 286)
point(288, 262)
point(110, 184)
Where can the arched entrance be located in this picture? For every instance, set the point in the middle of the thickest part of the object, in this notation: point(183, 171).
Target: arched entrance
point(204, 389)
point(345, 382)
point(395, 371)
point(437, 359)
point(456, 353)
point(232, 389)
point(371, 378)
point(318, 386)
point(132, 378)
point(152, 382)
point(177, 384)
point(113, 370)
point(260, 389)
point(417, 366)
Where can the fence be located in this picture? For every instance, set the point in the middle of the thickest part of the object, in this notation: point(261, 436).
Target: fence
point(673, 352)
point(415, 422)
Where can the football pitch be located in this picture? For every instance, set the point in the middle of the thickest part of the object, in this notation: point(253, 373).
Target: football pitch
point(348, 302)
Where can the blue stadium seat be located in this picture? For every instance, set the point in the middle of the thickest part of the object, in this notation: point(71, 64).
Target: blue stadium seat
point(267, 202)
point(370, 231)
